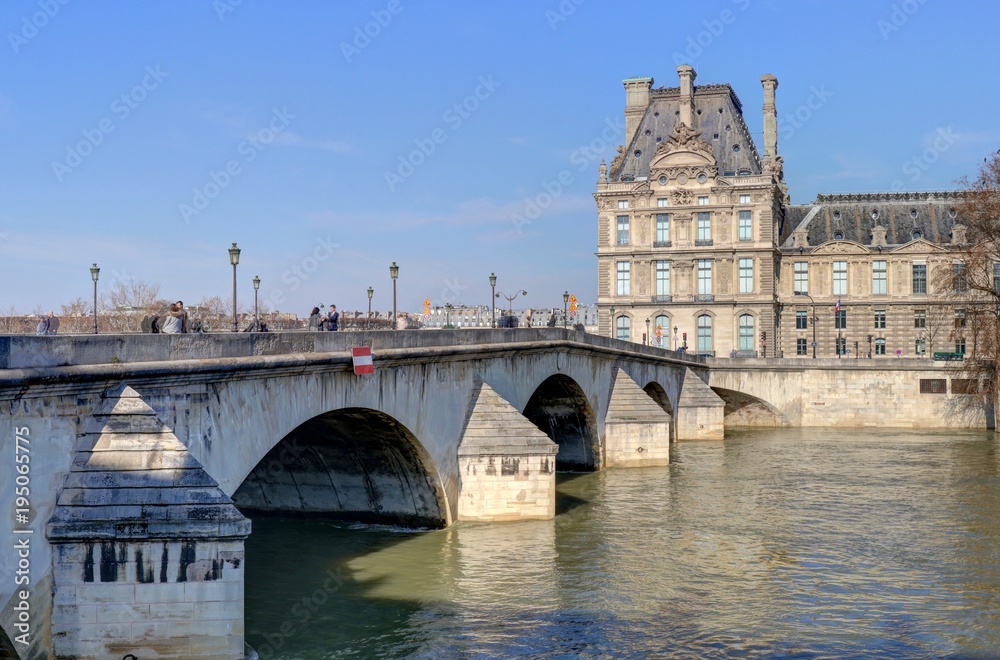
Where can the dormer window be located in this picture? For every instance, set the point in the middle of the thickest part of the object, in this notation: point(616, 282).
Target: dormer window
point(838, 236)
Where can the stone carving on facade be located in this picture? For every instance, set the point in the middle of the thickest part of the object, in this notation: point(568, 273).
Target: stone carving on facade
point(643, 221)
point(725, 274)
point(680, 197)
point(684, 138)
point(617, 162)
point(723, 228)
point(603, 169)
point(800, 238)
point(878, 236)
point(643, 267)
point(958, 235)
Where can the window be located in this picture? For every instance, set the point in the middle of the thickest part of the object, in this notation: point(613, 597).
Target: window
point(960, 345)
point(622, 328)
point(959, 282)
point(704, 277)
point(839, 278)
point(746, 225)
point(920, 279)
point(744, 199)
point(661, 330)
point(704, 226)
point(801, 347)
point(746, 275)
point(801, 320)
point(878, 278)
point(996, 276)
point(746, 333)
point(880, 319)
point(623, 230)
point(662, 227)
point(841, 346)
point(623, 203)
point(802, 276)
point(662, 278)
point(880, 346)
point(704, 333)
point(703, 201)
point(624, 287)
point(959, 318)
point(920, 346)
point(920, 318)
point(661, 202)
point(840, 319)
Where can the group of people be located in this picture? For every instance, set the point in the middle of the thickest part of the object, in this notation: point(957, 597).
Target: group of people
point(175, 321)
point(47, 325)
point(329, 321)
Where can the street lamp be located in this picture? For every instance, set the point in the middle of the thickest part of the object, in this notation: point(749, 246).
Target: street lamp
point(95, 273)
point(256, 287)
point(234, 258)
point(394, 273)
point(647, 332)
point(493, 295)
point(565, 303)
point(371, 292)
point(675, 338)
point(510, 300)
point(613, 334)
point(447, 316)
point(813, 320)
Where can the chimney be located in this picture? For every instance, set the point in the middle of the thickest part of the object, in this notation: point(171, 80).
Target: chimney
point(636, 101)
point(687, 76)
point(770, 83)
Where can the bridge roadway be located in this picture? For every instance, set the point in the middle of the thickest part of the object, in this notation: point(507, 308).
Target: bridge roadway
point(144, 449)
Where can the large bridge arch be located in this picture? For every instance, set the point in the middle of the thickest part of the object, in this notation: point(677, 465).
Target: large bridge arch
point(559, 407)
point(744, 410)
point(352, 463)
point(660, 396)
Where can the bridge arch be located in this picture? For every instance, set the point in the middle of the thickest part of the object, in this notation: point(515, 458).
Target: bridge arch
point(559, 407)
point(7, 649)
point(351, 463)
point(745, 410)
point(659, 395)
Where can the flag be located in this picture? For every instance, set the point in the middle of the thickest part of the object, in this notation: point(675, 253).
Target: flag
point(837, 308)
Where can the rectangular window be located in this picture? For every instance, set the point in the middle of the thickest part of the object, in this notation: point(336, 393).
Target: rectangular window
point(878, 278)
point(801, 347)
point(801, 320)
point(744, 199)
point(933, 386)
point(959, 282)
point(841, 346)
point(662, 228)
point(920, 279)
point(920, 318)
point(802, 276)
point(746, 225)
point(623, 203)
point(964, 386)
point(996, 276)
point(623, 230)
point(704, 277)
point(661, 202)
point(840, 319)
point(880, 319)
point(662, 278)
point(920, 346)
point(746, 275)
point(959, 318)
point(960, 345)
point(704, 226)
point(624, 285)
point(839, 278)
point(880, 346)
point(703, 201)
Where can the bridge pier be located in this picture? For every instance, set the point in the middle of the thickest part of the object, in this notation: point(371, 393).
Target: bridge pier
point(507, 466)
point(700, 412)
point(636, 428)
point(147, 550)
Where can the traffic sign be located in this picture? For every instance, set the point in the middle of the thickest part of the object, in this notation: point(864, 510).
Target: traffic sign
point(363, 363)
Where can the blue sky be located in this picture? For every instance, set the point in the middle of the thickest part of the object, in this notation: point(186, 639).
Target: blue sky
point(331, 138)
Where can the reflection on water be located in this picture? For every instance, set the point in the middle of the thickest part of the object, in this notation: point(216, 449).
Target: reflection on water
point(791, 543)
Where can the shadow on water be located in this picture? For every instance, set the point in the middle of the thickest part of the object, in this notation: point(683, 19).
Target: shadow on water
point(566, 500)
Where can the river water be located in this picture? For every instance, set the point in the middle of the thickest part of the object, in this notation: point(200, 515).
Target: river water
point(791, 543)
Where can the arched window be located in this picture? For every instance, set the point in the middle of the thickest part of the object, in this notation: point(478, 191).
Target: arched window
point(623, 328)
point(704, 333)
point(663, 326)
point(746, 333)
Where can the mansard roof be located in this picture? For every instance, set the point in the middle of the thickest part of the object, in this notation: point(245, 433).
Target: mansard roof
point(718, 116)
point(905, 216)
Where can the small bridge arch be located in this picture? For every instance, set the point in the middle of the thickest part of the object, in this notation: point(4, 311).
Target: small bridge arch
point(559, 407)
point(744, 410)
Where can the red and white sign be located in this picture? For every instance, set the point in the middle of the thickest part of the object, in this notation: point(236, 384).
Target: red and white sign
point(363, 360)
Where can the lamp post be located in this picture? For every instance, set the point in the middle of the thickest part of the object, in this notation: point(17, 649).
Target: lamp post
point(510, 300)
point(447, 316)
point(95, 273)
point(647, 332)
point(394, 273)
point(813, 320)
point(256, 287)
point(234, 258)
point(614, 334)
point(675, 338)
point(368, 323)
point(493, 295)
point(565, 306)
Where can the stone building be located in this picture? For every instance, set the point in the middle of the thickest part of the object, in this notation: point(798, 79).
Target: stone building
point(699, 245)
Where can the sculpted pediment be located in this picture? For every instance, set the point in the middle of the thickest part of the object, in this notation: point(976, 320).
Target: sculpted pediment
point(841, 247)
point(684, 147)
point(919, 245)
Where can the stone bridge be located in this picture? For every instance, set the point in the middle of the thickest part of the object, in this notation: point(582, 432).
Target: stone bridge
point(136, 447)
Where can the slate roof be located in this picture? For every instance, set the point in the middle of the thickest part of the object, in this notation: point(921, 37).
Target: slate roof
point(718, 116)
point(906, 216)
